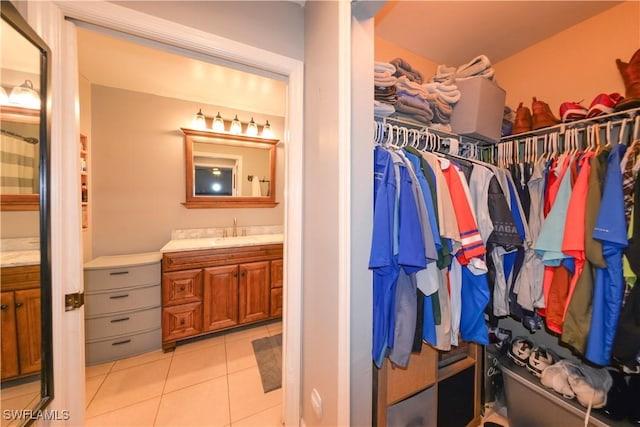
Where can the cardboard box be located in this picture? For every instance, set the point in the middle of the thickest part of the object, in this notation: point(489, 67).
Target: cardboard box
point(480, 110)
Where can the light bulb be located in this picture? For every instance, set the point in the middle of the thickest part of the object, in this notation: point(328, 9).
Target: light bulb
point(198, 121)
point(218, 123)
point(266, 130)
point(252, 128)
point(236, 126)
point(25, 95)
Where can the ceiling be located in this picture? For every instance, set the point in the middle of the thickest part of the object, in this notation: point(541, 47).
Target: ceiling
point(446, 32)
point(454, 32)
point(115, 62)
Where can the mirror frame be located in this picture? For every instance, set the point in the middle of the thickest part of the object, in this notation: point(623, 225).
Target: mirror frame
point(199, 202)
point(11, 15)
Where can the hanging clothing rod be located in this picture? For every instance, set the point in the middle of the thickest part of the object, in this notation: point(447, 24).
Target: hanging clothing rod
point(27, 139)
point(410, 124)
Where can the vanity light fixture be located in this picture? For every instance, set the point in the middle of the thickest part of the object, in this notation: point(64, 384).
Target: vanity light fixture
point(25, 95)
point(266, 130)
point(218, 124)
point(199, 121)
point(236, 126)
point(252, 128)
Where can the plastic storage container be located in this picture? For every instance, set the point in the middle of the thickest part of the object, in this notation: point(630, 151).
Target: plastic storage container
point(480, 110)
point(530, 404)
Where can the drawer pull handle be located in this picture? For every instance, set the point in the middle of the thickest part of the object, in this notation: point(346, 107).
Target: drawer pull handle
point(4, 307)
point(19, 304)
point(119, 296)
point(121, 342)
point(118, 273)
point(123, 319)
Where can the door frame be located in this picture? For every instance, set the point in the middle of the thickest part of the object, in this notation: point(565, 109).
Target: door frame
point(49, 19)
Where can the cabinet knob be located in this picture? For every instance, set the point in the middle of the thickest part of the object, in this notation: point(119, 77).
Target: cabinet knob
point(182, 321)
point(244, 273)
point(19, 304)
point(4, 307)
point(182, 288)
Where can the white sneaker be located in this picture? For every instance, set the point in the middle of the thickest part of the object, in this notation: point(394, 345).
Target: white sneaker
point(556, 377)
point(520, 351)
point(539, 359)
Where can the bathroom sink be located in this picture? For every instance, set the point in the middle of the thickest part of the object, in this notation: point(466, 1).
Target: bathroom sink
point(237, 240)
point(260, 239)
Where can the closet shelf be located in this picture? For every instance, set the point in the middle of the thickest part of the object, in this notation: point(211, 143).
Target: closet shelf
point(613, 118)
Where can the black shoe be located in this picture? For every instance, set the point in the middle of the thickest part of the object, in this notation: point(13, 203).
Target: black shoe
point(617, 406)
point(634, 399)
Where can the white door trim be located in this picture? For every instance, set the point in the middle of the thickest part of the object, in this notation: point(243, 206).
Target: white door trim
point(116, 17)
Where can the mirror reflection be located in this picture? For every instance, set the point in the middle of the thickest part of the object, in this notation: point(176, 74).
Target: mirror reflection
point(25, 374)
point(227, 170)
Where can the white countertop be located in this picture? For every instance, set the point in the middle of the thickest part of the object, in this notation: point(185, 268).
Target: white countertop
point(130, 260)
point(19, 258)
point(178, 245)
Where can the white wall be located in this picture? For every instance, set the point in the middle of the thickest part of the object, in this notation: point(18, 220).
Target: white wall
point(138, 172)
point(272, 25)
point(320, 260)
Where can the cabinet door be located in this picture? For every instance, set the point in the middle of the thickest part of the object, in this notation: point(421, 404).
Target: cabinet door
point(9, 354)
point(255, 291)
point(276, 273)
point(28, 325)
point(276, 302)
point(180, 287)
point(220, 297)
point(181, 321)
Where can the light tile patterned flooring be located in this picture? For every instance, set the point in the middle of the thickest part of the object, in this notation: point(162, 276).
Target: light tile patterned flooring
point(211, 382)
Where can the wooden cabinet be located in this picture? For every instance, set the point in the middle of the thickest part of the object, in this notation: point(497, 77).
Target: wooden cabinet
point(21, 321)
point(122, 305)
point(439, 373)
point(205, 291)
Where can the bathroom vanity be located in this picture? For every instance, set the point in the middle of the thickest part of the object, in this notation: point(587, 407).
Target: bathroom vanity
point(214, 284)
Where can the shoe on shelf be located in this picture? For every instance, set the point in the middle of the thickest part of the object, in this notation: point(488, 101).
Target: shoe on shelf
point(539, 359)
point(630, 72)
point(570, 111)
point(603, 104)
point(522, 122)
point(634, 398)
point(542, 117)
point(520, 351)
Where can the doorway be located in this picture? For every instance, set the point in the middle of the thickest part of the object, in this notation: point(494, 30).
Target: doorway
point(69, 377)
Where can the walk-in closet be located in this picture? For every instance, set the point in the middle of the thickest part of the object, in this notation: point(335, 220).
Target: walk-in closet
point(504, 248)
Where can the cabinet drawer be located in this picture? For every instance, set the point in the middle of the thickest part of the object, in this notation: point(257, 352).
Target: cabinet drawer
point(121, 277)
point(181, 287)
point(276, 302)
point(122, 324)
point(121, 347)
point(122, 300)
point(180, 321)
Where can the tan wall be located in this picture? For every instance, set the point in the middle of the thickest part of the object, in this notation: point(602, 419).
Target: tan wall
point(138, 176)
point(386, 51)
point(576, 64)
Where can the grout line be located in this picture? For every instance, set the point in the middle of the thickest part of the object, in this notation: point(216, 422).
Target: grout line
point(155, 419)
point(226, 365)
point(252, 415)
point(119, 408)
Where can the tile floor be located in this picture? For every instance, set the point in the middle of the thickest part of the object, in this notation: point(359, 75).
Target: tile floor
point(211, 382)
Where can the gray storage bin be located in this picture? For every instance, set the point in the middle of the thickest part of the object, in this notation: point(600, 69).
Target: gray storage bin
point(480, 110)
point(416, 411)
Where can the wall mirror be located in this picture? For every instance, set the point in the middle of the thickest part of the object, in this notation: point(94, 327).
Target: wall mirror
point(26, 363)
point(225, 170)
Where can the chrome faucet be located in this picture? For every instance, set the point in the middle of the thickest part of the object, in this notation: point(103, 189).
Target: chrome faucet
point(235, 227)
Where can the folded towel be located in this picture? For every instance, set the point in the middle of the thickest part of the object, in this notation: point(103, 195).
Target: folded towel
point(448, 92)
point(442, 126)
point(381, 79)
point(411, 87)
point(478, 66)
point(379, 66)
point(409, 106)
point(403, 68)
point(381, 109)
point(415, 100)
